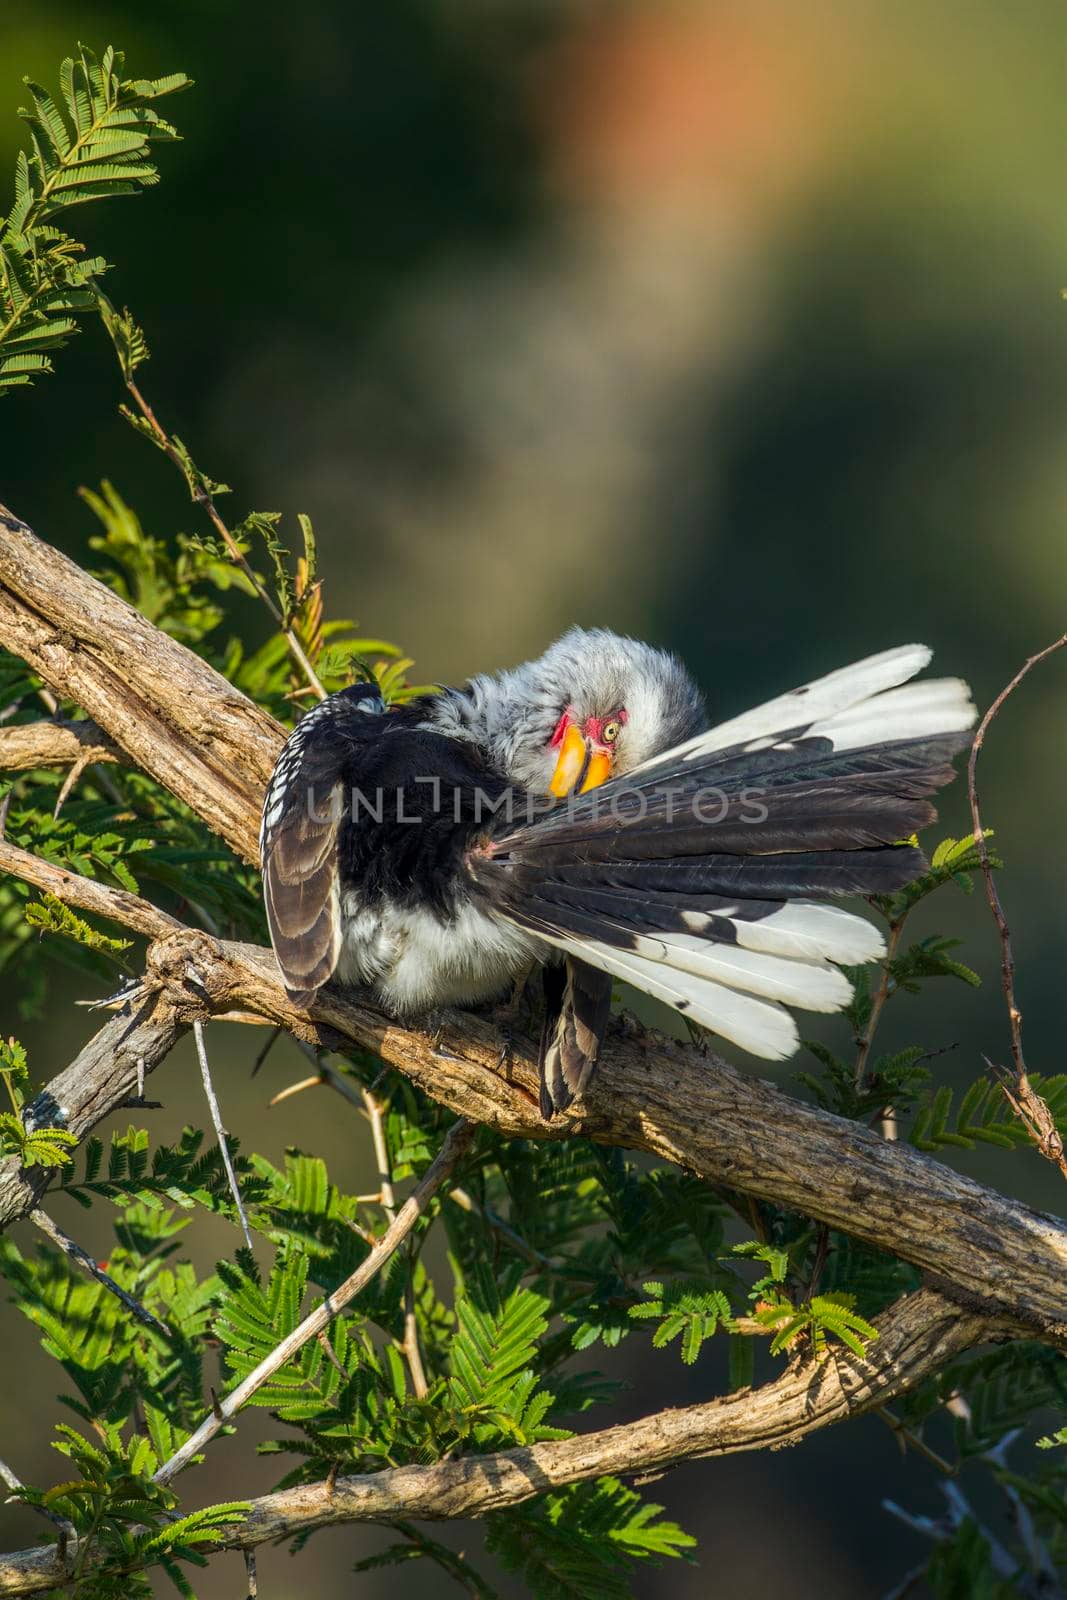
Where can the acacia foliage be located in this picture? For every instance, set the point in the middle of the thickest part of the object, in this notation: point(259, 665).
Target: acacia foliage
point(545, 1259)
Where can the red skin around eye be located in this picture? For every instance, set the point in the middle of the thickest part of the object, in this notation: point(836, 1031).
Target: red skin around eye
point(561, 728)
point(595, 724)
point(591, 727)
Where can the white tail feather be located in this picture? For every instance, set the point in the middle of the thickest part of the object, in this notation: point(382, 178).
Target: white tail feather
point(806, 928)
point(915, 711)
point(825, 697)
point(811, 985)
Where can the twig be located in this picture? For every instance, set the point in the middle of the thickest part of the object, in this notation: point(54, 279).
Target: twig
point(458, 1140)
point(881, 995)
point(1024, 1099)
point(901, 1590)
point(376, 1117)
point(70, 1247)
point(250, 1572)
point(317, 1081)
point(911, 1440)
point(68, 783)
point(324, 1076)
point(467, 1202)
point(275, 1035)
point(67, 1544)
point(201, 494)
point(958, 1511)
point(918, 1336)
point(409, 1344)
point(118, 905)
point(331, 1077)
point(220, 1131)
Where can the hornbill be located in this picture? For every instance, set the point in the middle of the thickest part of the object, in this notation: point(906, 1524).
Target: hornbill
point(578, 813)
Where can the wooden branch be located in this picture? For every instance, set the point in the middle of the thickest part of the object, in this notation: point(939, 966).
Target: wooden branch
point(61, 743)
point(73, 1249)
point(99, 1080)
point(453, 1149)
point(165, 709)
point(651, 1094)
point(119, 905)
point(917, 1337)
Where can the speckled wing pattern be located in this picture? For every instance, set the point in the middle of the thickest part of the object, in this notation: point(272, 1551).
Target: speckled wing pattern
point(302, 814)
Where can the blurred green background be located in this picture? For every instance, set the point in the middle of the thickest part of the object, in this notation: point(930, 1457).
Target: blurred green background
point(736, 326)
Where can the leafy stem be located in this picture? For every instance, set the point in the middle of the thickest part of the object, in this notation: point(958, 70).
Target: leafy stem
point(881, 995)
point(131, 350)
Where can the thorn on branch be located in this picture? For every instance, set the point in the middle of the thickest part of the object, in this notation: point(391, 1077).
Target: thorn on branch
point(331, 1355)
point(275, 1035)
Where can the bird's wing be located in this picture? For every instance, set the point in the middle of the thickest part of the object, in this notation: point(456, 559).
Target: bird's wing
point(303, 810)
point(577, 1008)
point(699, 878)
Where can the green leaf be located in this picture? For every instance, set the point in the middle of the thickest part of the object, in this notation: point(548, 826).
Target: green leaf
point(95, 142)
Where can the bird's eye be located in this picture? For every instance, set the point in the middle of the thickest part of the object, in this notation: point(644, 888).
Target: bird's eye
point(611, 730)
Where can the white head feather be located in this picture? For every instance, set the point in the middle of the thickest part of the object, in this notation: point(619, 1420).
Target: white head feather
point(591, 672)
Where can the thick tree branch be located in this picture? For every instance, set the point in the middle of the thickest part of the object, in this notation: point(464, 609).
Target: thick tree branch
point(649, 1094)
point(917, 1337)
point(168, 711)
point(99, 1080)
point(61, 743)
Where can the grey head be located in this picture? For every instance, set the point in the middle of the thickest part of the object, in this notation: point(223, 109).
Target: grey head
point(620, 699)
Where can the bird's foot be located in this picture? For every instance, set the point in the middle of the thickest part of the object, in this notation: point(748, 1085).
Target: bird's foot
point(698, 1036)
point(518, 1009)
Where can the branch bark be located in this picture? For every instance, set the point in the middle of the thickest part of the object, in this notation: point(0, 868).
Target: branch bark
point(917, 1337)
point(100, 899)
point(168, 712)
point(985, 1249)
point(99, 1080)
point(996, 1268)
point(61, 743)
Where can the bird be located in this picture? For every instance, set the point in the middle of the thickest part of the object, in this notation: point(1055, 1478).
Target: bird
point(582, 815)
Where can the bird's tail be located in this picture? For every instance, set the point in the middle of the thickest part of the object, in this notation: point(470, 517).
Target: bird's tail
point(706, 877)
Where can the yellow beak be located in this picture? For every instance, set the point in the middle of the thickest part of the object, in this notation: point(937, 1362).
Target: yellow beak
point(578, 765)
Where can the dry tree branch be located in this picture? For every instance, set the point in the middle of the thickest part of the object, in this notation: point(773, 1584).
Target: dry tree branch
point(1023, 1098)
point(918, 1336)
point(165, 709)
point(61, 743)
point(455, 1146)
point(100, 899)
point(996, 1268)
point(54, 1233)
point(652, 1094)
point(100, 1079)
